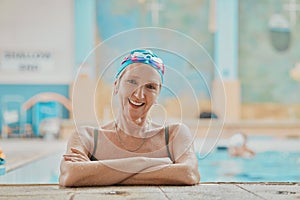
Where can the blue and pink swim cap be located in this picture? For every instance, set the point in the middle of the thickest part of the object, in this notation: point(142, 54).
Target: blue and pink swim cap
point(143, 56)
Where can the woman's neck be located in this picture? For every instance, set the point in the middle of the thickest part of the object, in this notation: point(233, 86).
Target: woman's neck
point(135, 128)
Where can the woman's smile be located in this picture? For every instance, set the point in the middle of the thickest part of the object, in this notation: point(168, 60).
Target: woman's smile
point(135, 104)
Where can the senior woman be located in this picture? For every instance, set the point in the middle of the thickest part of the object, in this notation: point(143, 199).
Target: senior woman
point(132, 149)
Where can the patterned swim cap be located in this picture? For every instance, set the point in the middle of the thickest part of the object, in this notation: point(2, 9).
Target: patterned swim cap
point(143, 56)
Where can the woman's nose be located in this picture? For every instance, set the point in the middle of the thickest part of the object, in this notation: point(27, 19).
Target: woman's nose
point(139, 92)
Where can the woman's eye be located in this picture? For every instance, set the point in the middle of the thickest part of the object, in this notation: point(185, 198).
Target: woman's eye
point(132, 81)
point(151, 87)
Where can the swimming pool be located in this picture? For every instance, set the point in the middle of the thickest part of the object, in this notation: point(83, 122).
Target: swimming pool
point(276, 160)
point(269, 166)
point(42, 171)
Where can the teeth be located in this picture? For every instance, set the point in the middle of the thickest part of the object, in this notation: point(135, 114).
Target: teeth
point(135, 103)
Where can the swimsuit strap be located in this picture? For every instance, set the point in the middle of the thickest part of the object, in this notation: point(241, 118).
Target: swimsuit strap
point(167, 142)
point(93, 158)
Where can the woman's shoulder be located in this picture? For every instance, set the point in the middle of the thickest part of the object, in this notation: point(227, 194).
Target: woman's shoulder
point(81, 137)
point(179, 130)
point(86, 130)
point(181, 136)
point(85, 135)
point(178, 127)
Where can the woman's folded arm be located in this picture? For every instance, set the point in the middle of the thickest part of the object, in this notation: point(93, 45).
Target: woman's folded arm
point(76, 169)
point(182, 173)
point(105, 172)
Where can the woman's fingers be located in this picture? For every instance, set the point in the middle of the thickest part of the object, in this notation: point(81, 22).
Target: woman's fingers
point(67, 158)
point(74, 150)
point(75, 157)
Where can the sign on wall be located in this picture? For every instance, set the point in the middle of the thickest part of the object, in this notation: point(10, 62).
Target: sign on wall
point(36, 47)
point(26, 61)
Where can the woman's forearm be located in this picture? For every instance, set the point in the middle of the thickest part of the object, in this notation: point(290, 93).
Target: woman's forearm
point(105, 172)
point(173, 174)
point(89, 174)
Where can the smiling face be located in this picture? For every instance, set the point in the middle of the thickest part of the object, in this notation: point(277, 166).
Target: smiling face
point(138, 88)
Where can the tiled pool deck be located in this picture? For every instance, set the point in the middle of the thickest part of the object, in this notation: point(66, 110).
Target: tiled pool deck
point(212, 191)
point(20, 152)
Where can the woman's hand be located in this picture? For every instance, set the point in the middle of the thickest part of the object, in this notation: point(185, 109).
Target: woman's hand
point(76, 156)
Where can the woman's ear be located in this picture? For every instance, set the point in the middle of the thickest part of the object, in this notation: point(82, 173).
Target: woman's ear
point(116, 86)
point(159, 89)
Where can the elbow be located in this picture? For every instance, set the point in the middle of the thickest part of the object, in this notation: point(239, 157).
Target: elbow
point(192, 176)
point(65, 178)
point(63, 181)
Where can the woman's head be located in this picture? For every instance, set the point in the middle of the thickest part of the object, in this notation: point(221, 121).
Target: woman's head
point(138, 84)
point(142, 56)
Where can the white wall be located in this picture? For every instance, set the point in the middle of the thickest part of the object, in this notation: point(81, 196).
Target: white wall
point(36, 26)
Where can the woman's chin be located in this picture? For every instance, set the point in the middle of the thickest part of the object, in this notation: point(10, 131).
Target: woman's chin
point(136, 116)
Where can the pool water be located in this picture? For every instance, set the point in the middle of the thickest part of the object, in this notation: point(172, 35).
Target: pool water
point(267, 166)
point(42, 171)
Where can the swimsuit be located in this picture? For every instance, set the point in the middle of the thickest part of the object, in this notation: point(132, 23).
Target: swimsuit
point(93, 158)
